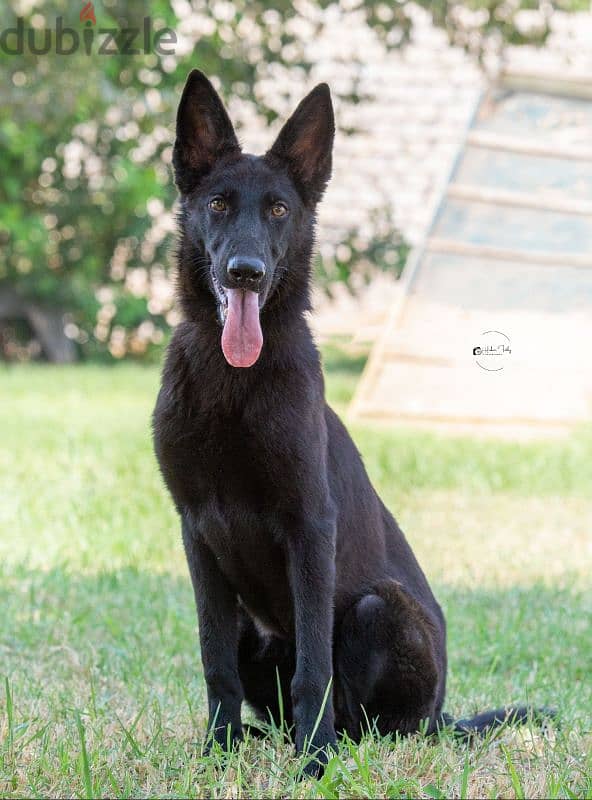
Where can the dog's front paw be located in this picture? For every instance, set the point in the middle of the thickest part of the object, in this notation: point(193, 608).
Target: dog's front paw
point(315, 764)
point(317, 752)
point(227, 737)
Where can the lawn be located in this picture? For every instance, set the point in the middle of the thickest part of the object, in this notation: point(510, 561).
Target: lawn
point(102, 691)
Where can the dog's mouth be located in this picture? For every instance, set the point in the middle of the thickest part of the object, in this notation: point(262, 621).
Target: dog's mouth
point(242, 338)
point(221, 297)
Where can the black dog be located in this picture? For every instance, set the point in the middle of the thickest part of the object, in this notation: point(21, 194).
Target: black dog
point(299, 570)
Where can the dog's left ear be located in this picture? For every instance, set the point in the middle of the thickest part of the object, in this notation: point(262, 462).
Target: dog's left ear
point(305, 143)
point(204, 132)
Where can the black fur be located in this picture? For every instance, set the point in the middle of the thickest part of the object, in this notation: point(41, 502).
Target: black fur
point(299, 569)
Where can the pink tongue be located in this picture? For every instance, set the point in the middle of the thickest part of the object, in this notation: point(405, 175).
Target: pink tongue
point(242, 339)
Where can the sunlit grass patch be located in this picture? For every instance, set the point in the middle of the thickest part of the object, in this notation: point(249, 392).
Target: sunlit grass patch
point(101, 687)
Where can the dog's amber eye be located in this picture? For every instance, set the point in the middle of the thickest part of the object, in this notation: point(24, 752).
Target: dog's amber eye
point(217, 204)
point(279, 210)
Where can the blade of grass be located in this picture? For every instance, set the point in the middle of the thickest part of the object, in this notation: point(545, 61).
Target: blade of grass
point(516, 784)
point(464, 779)
point(315, 727)
point(280, 698)
point(86, 776)
point(9, 716)
point(130, 738)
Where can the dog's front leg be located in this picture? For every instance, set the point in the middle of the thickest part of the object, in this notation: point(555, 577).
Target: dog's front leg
point(218, 632)
point(311, 570)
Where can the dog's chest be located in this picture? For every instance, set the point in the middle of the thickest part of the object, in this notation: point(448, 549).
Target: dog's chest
point(248, 547)
point(237, 487)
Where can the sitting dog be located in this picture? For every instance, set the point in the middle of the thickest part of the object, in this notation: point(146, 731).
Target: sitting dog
point(311, 603)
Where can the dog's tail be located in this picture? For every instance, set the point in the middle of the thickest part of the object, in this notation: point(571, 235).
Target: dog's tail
point(487, 721)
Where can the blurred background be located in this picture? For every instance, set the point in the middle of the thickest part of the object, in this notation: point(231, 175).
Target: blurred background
point(454, 291)
point(87, 202)
point(86, 197)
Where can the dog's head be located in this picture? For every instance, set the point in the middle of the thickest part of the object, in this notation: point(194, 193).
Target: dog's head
point(249, 220)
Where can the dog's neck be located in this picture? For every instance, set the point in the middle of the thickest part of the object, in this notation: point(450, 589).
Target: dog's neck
point(196, 351)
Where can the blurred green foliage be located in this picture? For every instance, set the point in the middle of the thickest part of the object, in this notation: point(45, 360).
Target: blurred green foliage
point(85, 185)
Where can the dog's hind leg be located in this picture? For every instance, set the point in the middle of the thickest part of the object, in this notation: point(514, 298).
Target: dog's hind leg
point(262, 660)
point(386, 666)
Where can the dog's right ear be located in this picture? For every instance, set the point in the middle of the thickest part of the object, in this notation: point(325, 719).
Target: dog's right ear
point(204, 132)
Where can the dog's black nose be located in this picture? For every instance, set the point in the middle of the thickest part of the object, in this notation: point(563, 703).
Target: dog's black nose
point(247, 272)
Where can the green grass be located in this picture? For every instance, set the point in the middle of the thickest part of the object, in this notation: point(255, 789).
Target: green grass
point(101, 688)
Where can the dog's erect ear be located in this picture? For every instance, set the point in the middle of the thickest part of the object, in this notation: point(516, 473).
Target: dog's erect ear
point(305, 143)
point(204, 132)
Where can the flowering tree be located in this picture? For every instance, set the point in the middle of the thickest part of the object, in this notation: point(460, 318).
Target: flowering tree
point(86, 143)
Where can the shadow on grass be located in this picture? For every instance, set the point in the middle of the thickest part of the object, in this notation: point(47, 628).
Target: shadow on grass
point(138, 630)
point(102, 690)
